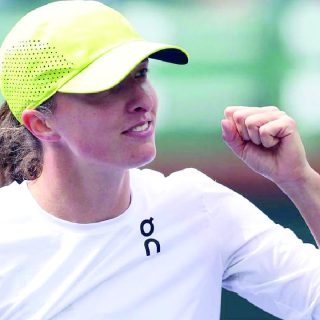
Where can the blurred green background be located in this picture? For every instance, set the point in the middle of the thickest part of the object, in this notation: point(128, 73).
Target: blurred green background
point(243, 52)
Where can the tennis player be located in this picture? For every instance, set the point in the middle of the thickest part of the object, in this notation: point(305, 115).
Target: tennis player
point(84, 233)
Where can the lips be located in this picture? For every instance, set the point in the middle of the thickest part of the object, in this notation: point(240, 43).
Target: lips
point(141, 130)
point(139, 127)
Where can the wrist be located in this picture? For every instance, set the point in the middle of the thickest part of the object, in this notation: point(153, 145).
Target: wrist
point(301, 182)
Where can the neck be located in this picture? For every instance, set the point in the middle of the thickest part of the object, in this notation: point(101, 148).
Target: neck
point(82, 194)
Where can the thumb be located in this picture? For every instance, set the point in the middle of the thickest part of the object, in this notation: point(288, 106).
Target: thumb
point(231, 137)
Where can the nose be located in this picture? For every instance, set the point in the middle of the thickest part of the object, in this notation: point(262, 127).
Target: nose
point(142, 98)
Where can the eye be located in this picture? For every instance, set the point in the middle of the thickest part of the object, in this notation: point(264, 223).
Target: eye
point(142, 73)
point(116, 89)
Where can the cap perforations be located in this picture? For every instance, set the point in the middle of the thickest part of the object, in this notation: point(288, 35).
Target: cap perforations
point(31, 69)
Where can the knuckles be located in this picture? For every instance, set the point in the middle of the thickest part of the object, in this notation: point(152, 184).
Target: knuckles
point(291, 122)
point(271, 108)
point(238, 117)
point(253, 117)
point(251, 123)
point(261, 125)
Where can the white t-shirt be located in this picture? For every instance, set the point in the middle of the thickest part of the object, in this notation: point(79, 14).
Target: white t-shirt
point(165, 258)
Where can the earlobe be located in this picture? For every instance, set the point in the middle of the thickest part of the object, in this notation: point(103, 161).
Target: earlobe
point(38, 125)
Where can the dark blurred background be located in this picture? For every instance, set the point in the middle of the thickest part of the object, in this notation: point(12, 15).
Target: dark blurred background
point(243, 52)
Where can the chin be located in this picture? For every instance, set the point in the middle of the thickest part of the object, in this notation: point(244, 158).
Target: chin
point(143, 158)
point(142, 164)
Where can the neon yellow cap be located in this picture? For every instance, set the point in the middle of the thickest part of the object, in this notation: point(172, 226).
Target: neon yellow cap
point(74, 46)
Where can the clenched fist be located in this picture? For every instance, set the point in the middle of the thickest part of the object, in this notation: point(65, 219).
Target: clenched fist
point(267, 140)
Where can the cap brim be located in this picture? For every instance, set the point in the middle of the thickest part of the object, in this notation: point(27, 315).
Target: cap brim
point(112, 67)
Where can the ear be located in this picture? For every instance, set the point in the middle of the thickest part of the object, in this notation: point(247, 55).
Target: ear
point(37, 124)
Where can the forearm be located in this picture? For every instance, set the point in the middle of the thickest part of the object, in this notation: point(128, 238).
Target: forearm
point(305, 194)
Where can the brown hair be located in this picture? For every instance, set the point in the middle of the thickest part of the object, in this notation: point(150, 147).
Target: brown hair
point(21, 154)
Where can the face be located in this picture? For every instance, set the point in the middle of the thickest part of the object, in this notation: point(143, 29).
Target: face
point(114, 128)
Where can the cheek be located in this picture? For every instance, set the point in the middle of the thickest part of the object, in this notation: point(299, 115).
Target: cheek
point(155, 100)
point(151, 93)
point(88, 135)
point(98, 147)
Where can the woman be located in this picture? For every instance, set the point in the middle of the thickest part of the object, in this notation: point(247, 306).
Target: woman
point(87, 235)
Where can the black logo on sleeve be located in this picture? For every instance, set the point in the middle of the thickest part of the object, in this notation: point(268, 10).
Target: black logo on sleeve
point(147, 229)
